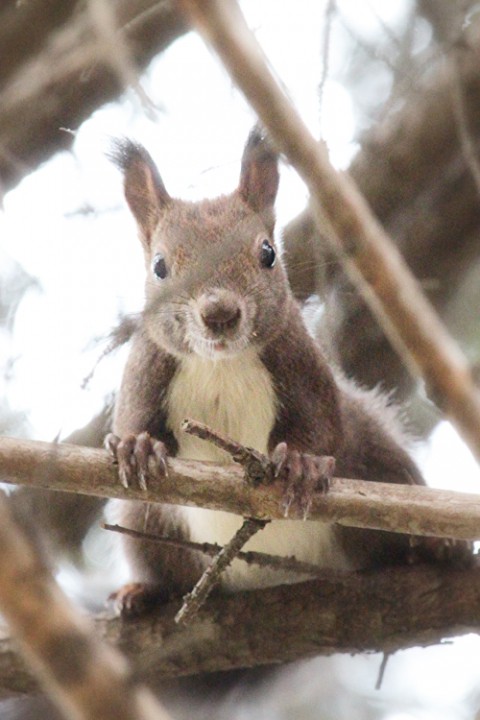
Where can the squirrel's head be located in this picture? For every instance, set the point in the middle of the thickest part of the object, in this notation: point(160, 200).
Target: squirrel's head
point(215, 284)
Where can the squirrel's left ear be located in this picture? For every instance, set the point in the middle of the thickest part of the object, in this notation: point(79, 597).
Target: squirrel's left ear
point(144, 189)
point(259, 174)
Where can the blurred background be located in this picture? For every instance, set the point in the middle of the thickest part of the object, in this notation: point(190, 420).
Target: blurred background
point(393, 89)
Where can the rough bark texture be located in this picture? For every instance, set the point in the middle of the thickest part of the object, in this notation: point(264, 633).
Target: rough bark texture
point(55, 71)
point(385, 611)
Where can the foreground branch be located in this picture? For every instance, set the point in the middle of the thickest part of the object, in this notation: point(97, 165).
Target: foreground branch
point(83, 676)
point(402, 508)
point(370, 258)
point(382, 611)
point(69, 77)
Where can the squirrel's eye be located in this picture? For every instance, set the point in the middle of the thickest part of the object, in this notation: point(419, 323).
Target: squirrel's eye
point(267, 255)
point(159, 267)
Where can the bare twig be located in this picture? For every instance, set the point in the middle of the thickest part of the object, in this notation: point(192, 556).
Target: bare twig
point(83, 676)
point(197, 597)
point(381, 670)
point(251, 557)
point(370, 258)
point(401, 508)
point(327, 31)
point(257, 466)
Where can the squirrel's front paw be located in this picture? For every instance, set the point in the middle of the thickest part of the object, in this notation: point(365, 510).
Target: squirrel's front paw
point(132, 454)
point(135, 599)
point(303, 475)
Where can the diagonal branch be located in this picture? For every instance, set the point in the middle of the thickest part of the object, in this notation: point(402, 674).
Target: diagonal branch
point(197, 597)
point(84, 677)
point(370, 258)
point(402, 508)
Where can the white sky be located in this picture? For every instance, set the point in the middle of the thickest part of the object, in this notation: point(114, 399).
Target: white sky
point(90, 266)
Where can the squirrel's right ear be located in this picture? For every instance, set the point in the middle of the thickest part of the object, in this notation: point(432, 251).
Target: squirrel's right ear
point(144, 189)
point(259, 175)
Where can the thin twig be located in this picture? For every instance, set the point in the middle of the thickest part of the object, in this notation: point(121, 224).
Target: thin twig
point(369, 256)
point(381, 670)
point(258, 467)
point(251, 557)
point(327, 31)
point(196, 598)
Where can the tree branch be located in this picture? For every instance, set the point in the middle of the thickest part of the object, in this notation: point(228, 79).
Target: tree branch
point(402, 508)
point(369, 257)
point(84, 677)
point(377, 611)
point(413, 173)
point(68, 77)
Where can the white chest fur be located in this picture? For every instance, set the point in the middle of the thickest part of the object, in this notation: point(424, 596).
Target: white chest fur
point(235, 396)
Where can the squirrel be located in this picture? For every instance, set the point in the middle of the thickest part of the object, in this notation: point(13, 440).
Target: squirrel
point(223, 341)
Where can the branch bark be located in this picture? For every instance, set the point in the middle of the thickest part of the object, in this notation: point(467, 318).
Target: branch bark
point(371, 260)
point(402, 508)
point(382, 611)
point(63, 74)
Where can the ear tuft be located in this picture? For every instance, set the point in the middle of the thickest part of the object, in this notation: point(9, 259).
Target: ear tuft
point(259, 175)
point(144, 189)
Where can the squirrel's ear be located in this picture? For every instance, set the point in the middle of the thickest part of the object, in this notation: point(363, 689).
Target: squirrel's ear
point(144, 189)
point(259, 174)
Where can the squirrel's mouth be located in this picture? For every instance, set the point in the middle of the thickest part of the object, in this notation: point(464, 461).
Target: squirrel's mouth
point(217, 348)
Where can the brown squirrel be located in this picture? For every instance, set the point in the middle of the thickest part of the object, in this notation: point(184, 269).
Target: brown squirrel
point(222, 340)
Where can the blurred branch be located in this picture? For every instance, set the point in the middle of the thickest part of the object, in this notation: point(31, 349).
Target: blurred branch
point(369, 257)
point(58, 73)
point(412, 171)
point(378, 611)
point(59, 521)
point(87, 679)
point(410, 509)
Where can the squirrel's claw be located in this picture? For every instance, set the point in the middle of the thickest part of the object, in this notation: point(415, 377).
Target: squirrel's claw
point(303, 475)
point(132, 454)
point(135, 599)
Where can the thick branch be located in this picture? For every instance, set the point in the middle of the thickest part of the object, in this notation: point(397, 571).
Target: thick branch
point(69, 77)
point(403, 508)
point(84, 677)
point(368, 255)
point(381, 611)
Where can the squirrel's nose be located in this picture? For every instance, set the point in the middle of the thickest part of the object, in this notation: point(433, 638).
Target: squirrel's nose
point(220, 312)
